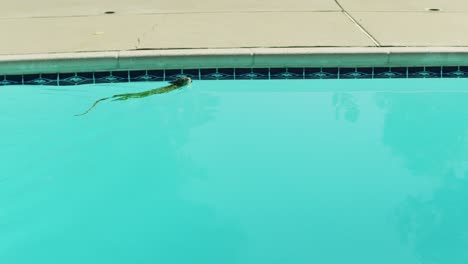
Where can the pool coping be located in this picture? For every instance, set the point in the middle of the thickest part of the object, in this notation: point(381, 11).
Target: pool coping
point(233, 58)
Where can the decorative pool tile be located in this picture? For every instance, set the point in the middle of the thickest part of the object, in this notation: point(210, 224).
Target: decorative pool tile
point(111, 77)
point(40, 79)
point(454, 72)
point(252, 74)
point(170, 75)
point(389, 73)
point(146, 76)
point(11, 80)
point(424, 72)
point(286, 73)
point(65, 79)
point(217, 74)
point(436, 72)
point(355, 73)
point(321, 73)
point(75, 78)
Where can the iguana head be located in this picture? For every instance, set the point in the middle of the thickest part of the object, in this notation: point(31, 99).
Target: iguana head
point(181, 81)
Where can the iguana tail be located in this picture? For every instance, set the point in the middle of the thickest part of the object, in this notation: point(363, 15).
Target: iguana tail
point(94, 105)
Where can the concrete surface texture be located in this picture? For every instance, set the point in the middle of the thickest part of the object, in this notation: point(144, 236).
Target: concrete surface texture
point(58, 26)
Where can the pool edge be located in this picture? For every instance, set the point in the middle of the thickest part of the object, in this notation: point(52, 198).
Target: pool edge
point(231, 58)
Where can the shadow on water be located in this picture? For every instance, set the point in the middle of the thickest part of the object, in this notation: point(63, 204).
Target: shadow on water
point(120, 199)
point(429, 131)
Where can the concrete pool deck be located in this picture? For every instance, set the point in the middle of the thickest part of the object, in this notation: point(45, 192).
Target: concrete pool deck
point(56, 35)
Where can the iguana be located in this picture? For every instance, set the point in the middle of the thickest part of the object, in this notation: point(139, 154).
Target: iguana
point(174, 85)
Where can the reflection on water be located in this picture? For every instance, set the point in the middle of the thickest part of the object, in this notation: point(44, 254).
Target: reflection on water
point(345, 106)
point(429, 131)
point(437, 227)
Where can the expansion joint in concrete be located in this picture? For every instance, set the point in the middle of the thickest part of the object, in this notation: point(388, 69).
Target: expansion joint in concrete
point(356, 23)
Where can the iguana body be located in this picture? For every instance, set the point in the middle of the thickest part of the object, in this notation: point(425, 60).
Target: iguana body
point(178, 83)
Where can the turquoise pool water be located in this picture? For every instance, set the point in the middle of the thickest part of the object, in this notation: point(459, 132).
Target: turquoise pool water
point(334, 171)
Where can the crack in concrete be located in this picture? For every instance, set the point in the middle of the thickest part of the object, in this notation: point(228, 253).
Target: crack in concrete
point(355, 22)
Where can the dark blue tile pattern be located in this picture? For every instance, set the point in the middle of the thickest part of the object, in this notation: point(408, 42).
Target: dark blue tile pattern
point(141, 76)
point(170, 75)
point(355, 73)
point(192, 73)
point(436, 72)
point(286, 73)
point(252, 74)
point(424, 72)
point(64, 79)
point(389, 73)
point(217, 74)
point(41, 79)
point(454, 72)
point(321, 73)
point(11, 80)
point(146, 76)
point(464, 69)
point(75, 78)
point(111, 77)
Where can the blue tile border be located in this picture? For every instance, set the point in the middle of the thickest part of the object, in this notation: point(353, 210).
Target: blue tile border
point(251, 74)
point(67, 79)
point(217, 74)
point(321, 73)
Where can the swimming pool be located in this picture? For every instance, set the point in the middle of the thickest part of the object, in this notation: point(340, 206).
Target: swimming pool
point(278, 171)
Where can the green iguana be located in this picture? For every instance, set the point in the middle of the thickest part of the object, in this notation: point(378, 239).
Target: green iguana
point(174, 85)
